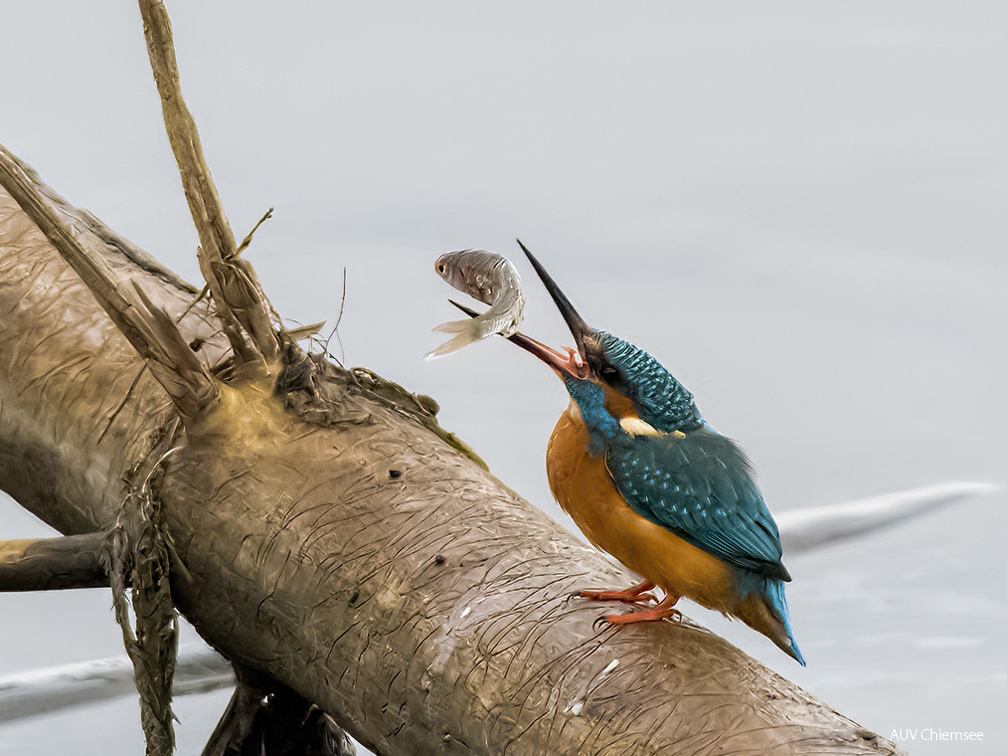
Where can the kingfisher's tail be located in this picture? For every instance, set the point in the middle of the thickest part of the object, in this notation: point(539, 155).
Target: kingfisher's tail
point(777, 602)
point(765, 610)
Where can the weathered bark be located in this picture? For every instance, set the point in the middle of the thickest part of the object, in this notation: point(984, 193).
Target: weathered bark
point(78, 409)
point(332, 538)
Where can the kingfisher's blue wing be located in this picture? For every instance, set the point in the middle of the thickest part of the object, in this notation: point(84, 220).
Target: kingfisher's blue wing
point(701, 489)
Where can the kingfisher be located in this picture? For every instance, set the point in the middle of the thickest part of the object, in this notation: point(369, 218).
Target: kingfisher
point(648, 481)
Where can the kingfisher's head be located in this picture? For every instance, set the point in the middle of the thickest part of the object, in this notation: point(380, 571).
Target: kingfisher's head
point(634, 383)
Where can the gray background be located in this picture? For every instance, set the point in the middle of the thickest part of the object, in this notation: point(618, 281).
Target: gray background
point(798, 207)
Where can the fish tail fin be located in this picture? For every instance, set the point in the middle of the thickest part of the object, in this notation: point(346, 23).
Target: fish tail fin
point(765, 610)
point(468, 332)
point(457, 326)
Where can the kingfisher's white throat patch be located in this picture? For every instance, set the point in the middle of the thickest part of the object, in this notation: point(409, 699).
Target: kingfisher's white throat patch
point(634, 426)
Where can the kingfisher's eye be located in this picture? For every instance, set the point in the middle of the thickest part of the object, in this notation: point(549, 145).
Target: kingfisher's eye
point(609, 373)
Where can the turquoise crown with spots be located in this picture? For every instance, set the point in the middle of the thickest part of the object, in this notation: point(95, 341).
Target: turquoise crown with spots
point(661, 400)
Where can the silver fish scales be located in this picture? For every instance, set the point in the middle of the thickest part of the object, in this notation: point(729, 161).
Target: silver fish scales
point(493, 280)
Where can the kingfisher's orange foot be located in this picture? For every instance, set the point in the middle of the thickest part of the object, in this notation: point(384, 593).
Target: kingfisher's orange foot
point(624, 596)
point(631, 595)
point(664, 609)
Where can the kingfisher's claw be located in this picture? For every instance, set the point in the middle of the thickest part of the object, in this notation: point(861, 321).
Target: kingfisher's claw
point(626, 596)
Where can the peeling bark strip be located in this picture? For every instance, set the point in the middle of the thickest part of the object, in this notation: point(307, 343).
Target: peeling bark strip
point(140, 559)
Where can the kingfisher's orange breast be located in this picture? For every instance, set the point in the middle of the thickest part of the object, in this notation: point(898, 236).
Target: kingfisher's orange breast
point(582, 486)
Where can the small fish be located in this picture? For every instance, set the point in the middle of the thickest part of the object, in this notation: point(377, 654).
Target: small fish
point(493, 280)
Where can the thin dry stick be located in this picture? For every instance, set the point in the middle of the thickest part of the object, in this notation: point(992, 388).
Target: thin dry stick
point(248, 239)
point(199, 298)
point(335, 328)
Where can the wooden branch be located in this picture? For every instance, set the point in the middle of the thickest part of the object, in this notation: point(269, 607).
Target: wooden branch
point(233, 284)
point(50, 564)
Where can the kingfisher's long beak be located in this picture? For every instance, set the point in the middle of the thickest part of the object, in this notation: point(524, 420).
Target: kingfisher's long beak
point(578, 327)
point(569, 363)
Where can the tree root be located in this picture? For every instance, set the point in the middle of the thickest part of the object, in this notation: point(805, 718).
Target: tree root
point(141, 559)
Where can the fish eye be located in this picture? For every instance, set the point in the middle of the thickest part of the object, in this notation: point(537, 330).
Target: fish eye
point(441, 267)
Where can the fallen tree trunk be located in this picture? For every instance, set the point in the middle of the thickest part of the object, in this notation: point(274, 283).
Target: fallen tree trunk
point(321, 528)
point(75, 561)
point(330, 538)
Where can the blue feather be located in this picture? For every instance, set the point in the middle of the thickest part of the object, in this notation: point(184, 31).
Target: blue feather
point(701, 488)
point(696, 483)
point(663, 402)
point(773, 593)
point(601, 426)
